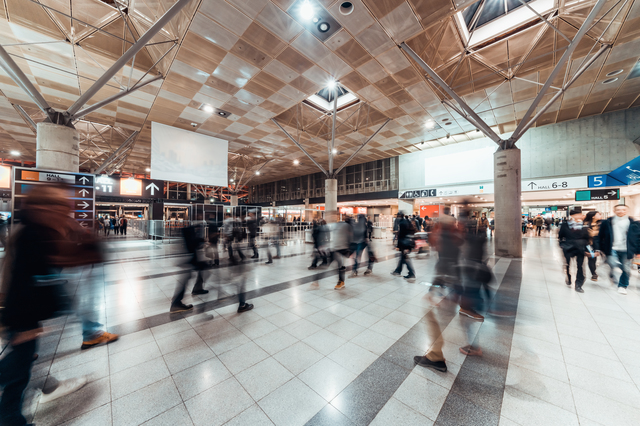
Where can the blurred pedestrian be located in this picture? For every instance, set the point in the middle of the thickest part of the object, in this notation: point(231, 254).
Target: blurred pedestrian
point(320, 236)
point(592, 223)
point(252, 227)
point(193, 239)
point(340, 241)
point(619, 240)
point(123, 225)
point(573, 238)
point(404, 246)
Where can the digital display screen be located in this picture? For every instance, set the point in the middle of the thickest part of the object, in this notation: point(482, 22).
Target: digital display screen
point(131, 187)
point(5, 177)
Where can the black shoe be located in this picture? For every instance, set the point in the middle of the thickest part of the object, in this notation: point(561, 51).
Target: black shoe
point(312, 268)
point(397, 274)
point(255, 256)
point(568, 282)
point(268, 262)
point(594, 277)
point(201, 291)
point(244, 308)
point(409, 277)
point(423, 361)
point(579, 290)
point(181, 307)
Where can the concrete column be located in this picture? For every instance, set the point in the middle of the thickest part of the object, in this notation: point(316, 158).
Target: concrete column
point(234, 200)
point(508, 219)
point(331, 200)
point(188, 191)
point(405, 206)
point(57, 148)
point(308, 214)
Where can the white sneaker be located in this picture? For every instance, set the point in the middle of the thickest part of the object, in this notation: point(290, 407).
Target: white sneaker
point(622, 290)
point(64, 388)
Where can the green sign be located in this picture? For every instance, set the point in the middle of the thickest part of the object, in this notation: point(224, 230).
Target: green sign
point(598, 194)
point(554, 208)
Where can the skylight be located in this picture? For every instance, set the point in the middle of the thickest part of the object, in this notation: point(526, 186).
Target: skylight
point(323, 100)
point(487, 19)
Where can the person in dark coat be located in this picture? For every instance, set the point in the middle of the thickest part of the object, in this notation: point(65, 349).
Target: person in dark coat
point(619, 240)
point(405, 245)
point(573, 238)
point(193, 239)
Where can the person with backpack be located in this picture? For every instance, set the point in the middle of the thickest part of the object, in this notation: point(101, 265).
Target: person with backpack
point(123, 225)
point(573, 238)
point(405, 245)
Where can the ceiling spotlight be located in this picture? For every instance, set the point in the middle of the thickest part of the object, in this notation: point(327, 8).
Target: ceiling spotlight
point(296, 162)
point(147, 169)
point(207, 108)
point(15, 153)
point(331, 84)
point(258, 172)
point(230, 180)
point(323, 27)
point(307, 11)
point(334, 151)
point(430, 124)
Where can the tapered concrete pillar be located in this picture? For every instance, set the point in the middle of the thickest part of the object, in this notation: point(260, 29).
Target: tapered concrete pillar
point(331, 200)
point(405, 206)
point(308, 214)
point(233, 200)
point(57, 147)
point(508, 219)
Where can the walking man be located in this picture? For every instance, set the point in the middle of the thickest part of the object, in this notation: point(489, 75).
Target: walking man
point(405, 244)
point(619, 241)
point(573, 239)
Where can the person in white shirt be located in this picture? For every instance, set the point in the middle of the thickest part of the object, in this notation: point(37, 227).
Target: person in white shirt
point(619, 240)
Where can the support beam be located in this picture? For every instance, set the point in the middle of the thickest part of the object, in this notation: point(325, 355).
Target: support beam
point(484, 127)
point(19, 77)
point(301, 148)
point(563, 60)
point(333, 131)
point(528, 6)
point(253, 175)
point(113, 98)
point(117, 153)
point(26, 117)
point(128, 55)
point(513, 139)
point(461, 113)
point(360, 147)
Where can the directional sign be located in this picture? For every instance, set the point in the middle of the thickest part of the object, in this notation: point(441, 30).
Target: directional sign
point(554, 184)
point(84, 193)
point(83, 215)
point(84, 180)
point(421, 193)
point(83, 204)
point(152, 187)
point(128, 187)
point(598, 194)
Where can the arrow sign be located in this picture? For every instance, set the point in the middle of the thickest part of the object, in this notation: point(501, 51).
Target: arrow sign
point(153, 187)
point(84, 179)
point(612, 192)
point(84, 192)
point(532, 185)
point(83, 215)
point(83, 224)
point(84, 204)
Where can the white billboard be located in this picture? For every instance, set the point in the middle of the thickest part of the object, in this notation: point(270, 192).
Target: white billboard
point(475, 165)
point(182, 156)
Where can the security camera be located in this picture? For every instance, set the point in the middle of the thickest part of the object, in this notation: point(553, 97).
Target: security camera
point(346, 8)
point(194, 124)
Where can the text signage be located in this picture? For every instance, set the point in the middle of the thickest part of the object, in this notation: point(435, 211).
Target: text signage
point(601, 181)
point(420, 193)
point(554, 184)
point(129, 187)
point(79, 187)
point(598, 194)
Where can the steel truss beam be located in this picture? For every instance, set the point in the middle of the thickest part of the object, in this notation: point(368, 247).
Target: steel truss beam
point(128, 55)
point(118, 153)
point(360, 147)
point(301, 148)
point(520, 129)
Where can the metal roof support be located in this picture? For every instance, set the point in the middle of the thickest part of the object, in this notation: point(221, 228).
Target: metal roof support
point(252, 176)
point(333, 133)
point(465, 116)
point(479, 122)
point(117, 153)
point(113, 98)
point(26, 117)
point(360, 147)
point(301, 148)
point(128, 55)
point(19, 77)
point(528, 6)
point(557, 95)
point(559, 66)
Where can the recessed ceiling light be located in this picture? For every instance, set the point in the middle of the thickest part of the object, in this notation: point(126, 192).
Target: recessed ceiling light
point(147, 169)
point(207, 108)
point(430, 124)
point(323, 27)
point(610, 80)
point(296, 162)
point(334, 151)
point(616, 72)
point(331, 84)
point(15, 153)
point(231, 180)
point(258, 172)
point(307, 11)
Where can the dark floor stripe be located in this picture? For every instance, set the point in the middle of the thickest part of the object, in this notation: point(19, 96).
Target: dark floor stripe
point(360, 402)
point(477, 392)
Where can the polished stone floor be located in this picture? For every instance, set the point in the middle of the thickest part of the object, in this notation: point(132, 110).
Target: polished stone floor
point(308, 354)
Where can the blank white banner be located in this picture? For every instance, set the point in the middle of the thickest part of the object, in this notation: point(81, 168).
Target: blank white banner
point(182, 156)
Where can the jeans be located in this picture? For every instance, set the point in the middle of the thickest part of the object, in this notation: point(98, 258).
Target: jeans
point(404, 260)
point(592, 264)
point(359, 249)
point(339, 256)
point(579, 261)
point(618, 259)
point(90, 299)
point(15, 372)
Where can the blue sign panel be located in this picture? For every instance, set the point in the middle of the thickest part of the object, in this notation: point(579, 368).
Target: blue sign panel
point(601, 181)
point(629, 173)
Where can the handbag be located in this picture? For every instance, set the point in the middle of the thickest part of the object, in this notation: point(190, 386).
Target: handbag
point(50, 297)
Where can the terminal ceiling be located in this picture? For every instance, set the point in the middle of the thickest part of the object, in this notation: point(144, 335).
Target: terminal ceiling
point(255, 61)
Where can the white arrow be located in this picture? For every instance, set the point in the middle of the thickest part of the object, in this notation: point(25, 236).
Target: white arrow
point(152, 186)
point(612, 192)
point(83, 215)
point(84, 179)
point(84, 192)
point(84, 204)
point(83, 224)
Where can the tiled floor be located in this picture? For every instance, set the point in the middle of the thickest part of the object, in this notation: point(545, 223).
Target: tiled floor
point(308, 354)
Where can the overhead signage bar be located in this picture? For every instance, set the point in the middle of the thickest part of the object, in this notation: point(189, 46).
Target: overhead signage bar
point(598, 194)
point(129, 187)
point(80, 191)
